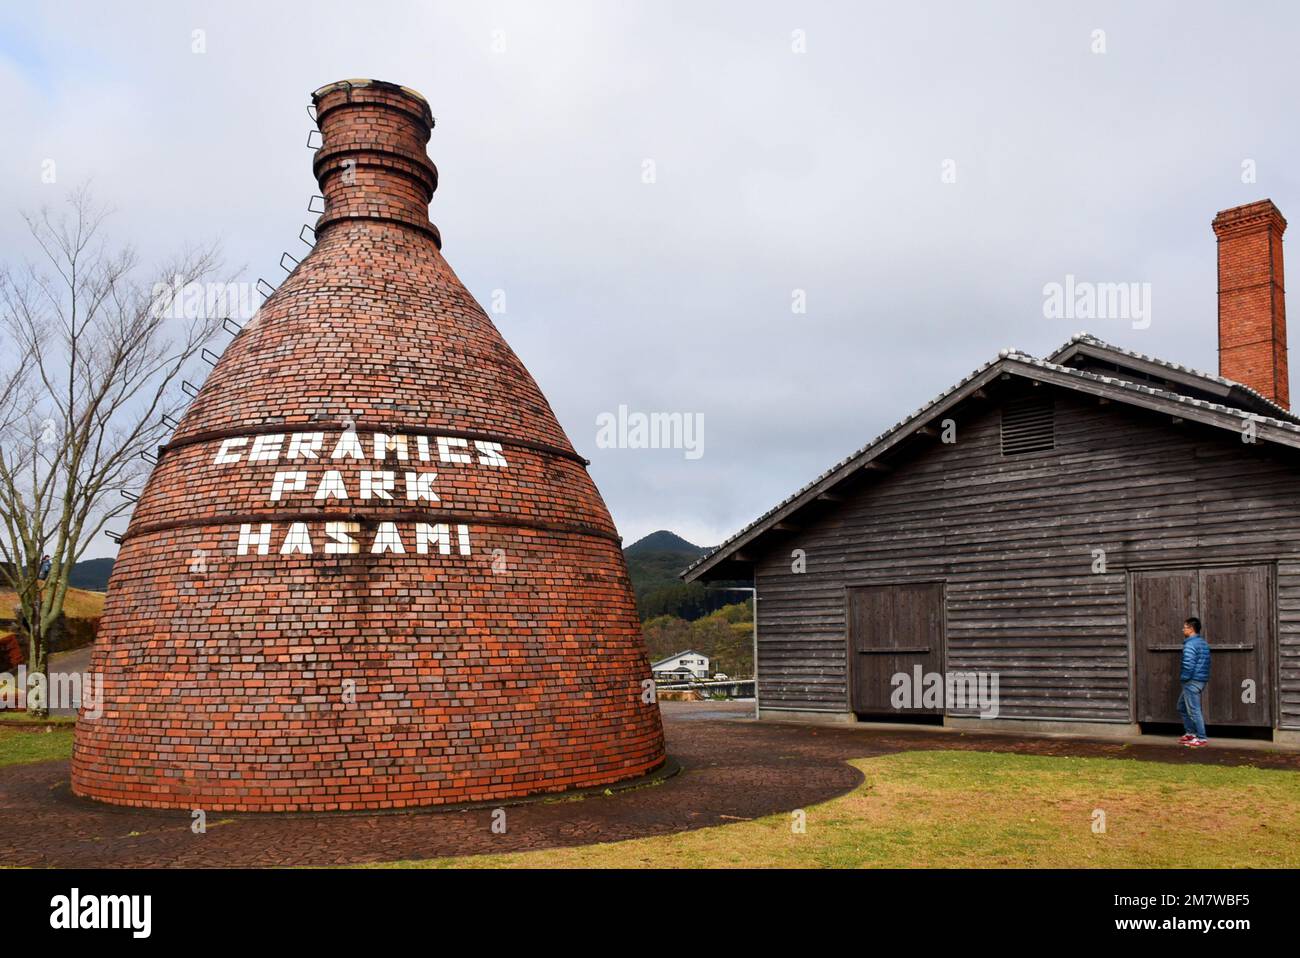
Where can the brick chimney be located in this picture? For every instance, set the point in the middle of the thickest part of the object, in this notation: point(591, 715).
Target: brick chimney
point(1252, 305)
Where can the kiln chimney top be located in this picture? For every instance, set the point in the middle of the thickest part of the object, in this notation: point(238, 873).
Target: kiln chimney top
point(372, 163)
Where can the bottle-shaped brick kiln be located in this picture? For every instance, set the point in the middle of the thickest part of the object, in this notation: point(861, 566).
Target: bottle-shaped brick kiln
point(369, 570)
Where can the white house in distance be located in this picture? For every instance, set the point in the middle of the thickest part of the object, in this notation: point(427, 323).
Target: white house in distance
point(685, 666)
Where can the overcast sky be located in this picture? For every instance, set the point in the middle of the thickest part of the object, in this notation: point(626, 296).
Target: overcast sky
point(775, 170)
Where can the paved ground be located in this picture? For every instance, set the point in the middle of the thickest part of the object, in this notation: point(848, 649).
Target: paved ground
point(732, 769)
point(78, 660)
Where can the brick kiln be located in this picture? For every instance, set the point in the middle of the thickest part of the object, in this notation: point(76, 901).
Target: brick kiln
point(369, 570)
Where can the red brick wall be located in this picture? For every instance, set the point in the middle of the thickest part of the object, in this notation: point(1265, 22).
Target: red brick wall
point(514, 669)
point(13, 652)
point(1252, 306)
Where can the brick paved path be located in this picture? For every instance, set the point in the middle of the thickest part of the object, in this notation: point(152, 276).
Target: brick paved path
point(731, 770)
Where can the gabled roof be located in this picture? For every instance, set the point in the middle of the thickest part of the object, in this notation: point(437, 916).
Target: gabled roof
point(1235, 393)
point(654, 665)
point(1278, 425)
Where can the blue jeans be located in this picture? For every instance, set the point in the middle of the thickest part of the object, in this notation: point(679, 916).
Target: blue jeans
point(1189, 707)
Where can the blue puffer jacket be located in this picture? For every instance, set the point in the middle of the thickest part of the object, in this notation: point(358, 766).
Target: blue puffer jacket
point(1196, 660)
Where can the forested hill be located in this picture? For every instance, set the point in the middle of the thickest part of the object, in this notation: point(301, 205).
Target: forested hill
point(655, 563)
point(91, 574)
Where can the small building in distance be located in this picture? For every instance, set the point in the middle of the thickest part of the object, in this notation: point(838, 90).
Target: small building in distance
point(688, 666)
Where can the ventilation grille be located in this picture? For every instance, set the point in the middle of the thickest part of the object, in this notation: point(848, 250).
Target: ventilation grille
point(1028, 425)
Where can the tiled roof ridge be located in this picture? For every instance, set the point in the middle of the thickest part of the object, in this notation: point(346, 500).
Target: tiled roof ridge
point(1084, 336)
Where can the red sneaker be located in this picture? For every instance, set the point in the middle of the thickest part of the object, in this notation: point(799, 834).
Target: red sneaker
point(1198, 743)
point(1187, 737)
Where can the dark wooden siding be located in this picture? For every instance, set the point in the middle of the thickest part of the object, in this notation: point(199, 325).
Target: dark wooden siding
point(1013, 538)
point(1288, 666)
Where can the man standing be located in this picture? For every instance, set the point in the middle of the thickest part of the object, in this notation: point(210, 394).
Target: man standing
point(1194, 674)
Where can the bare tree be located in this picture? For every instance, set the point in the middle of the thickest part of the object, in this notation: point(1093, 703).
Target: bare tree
point(86, 375)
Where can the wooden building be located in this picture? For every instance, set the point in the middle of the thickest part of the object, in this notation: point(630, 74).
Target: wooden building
point(1049, 523)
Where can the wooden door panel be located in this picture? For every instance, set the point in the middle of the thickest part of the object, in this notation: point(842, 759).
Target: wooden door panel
point(1161, 601)
point(893, 629)
point(872, 634)
point(1237, 619)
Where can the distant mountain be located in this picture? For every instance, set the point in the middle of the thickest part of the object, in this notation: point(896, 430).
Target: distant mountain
point(664, 542)
point(655, 562)
point(91, 575)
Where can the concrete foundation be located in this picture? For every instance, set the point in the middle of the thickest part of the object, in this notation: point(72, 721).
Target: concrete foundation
point(1283, 739)
point(1041, 726)
point(807, 718)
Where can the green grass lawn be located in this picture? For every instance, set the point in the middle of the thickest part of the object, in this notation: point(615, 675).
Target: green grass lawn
point(19, 717)
point(962, 809)
point(19, 745)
